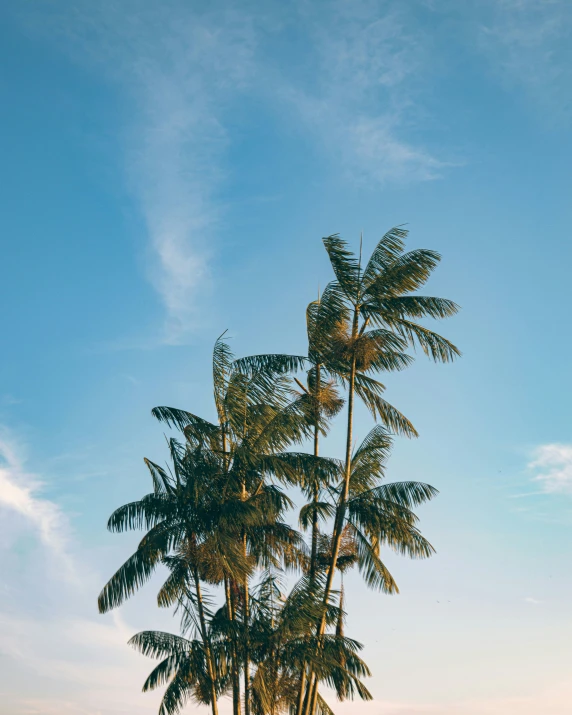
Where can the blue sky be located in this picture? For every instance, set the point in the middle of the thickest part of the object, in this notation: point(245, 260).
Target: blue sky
point(168, 171)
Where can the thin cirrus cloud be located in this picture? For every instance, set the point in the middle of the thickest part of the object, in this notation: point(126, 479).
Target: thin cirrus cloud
point(176, 69)
point(532, 601)
point(528, 44)
point(175, 157)
point(552, 468)
point(88, 664)
point(354, 80)
point(368, 62)
point(20, 495)
point(180, 69)
point(49, 627)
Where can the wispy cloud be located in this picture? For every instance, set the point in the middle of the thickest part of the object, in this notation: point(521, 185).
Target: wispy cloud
point(50, 632)
point(528, 43)
point(532, 601)
point(20, 493)
point(552, 467)
point(89, 666)
point(175, 153)
point(176, 67)
point(359, 95)
point(9, 400)
point(180, 67)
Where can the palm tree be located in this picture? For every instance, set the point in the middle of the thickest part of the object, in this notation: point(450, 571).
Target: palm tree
point(187, 518)
point(183, 668)
point(378, 515)
point(218, 516)
point(326, 324)
point(282, 637)
point(256, 421)
point(321, 402)
point(379, 296)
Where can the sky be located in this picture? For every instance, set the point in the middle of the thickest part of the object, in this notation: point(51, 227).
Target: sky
point(168, 170)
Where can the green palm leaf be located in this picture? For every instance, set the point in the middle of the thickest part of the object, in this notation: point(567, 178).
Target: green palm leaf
point(370, 391)
point(344, 264)
point(387, 251)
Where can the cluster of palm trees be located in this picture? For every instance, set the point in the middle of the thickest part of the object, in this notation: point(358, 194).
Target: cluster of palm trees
point(216, 519)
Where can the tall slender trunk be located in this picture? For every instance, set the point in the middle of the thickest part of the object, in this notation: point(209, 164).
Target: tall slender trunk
point(231, 611)
point(313, 702)
point(246, 650)
point(301, 691)
point(246, 623)
point(234, 667)
point(207, 645)
point(312, 684)
point(314, 548)
point(342, 504)
point(274, 676)
point(308, 695)
point(314, 553)
point(314, 697)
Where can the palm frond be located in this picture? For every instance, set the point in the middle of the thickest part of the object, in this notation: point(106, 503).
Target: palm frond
point(139, 566)
point(323, 510)
point(128, 578)
point(370, 391)
point(405, 494)
point(161, 673)
point(387, 251)
point(178, 692)
point(418, 306)
point(222, 368)
point(323, 318)
point(374, 571)
point(323, 708)
point(407, 273)
point(195, 428)
point(145, 513)
point(159, 644)
point(345, 266)
point(433, 345)
point(272, 364)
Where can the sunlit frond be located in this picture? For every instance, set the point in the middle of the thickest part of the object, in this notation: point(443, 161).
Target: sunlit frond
point(345, 266)
point(372, 568)
point(276, 364)
point(433, 345)
point(370, 391)
point(384, 255)
point(222, 368)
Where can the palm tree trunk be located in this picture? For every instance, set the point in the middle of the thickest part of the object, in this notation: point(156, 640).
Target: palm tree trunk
point(246, 650)
point(235, 668)
point(303, 701)
point(246, 615)
point(314, 553)
point(301, 691)
point(342, 504)
point(207, 645)
point(235, 677)
point(314, 697)
point(309, 691)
